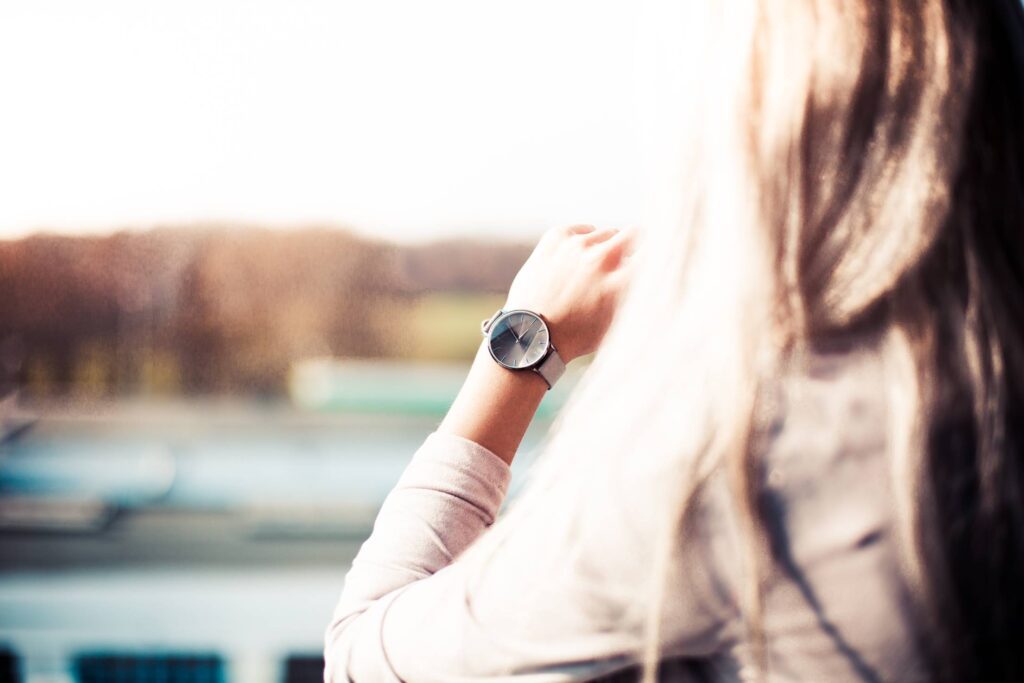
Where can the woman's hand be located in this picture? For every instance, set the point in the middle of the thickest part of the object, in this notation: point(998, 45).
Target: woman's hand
point(573, 278)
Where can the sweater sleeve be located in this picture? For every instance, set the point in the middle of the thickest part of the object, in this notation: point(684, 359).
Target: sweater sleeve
point(555, 591)
point(448, 494)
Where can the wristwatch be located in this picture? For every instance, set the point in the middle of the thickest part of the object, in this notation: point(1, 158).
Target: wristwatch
point(520, 340)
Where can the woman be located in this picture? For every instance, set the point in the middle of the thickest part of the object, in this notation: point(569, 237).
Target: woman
point(797, 454)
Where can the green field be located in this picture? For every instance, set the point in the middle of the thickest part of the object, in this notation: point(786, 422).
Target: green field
point(446, 326)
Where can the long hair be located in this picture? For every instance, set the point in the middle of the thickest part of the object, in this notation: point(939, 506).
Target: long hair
point(823, 169)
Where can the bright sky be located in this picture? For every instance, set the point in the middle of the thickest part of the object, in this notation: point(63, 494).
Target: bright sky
point(400, 118)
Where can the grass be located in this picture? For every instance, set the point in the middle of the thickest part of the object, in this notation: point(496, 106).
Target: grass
point(446, 326)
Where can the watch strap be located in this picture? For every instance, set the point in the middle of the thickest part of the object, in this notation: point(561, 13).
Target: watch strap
point(485, 326)
point(551, 368)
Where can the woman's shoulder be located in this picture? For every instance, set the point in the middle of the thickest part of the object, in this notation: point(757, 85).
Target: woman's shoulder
point(830, 519)
point(835, 604)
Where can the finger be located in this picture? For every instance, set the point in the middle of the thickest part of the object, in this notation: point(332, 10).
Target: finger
point(618, 246)
point(627, 236)
point(620, 278)
point(579, 229)
point(599, 236)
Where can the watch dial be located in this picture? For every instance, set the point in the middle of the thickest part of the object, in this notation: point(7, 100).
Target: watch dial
point(519, 340)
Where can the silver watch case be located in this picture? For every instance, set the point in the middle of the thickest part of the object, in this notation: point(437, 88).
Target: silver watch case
point(549, 366)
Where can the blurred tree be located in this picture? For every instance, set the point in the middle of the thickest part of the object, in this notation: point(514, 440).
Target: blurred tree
point(229, 309)
point(56, 293)
point(255, 301)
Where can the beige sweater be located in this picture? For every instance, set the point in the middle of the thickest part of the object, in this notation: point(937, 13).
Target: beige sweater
point(533, 608)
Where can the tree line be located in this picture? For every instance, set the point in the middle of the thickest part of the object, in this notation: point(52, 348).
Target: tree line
point(219, 308)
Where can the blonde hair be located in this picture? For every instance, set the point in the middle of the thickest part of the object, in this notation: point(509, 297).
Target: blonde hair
point(840, 167)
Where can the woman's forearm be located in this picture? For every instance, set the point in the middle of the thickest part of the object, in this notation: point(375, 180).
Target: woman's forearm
point(495, 406)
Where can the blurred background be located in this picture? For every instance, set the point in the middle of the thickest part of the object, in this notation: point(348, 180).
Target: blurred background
point(245, 248)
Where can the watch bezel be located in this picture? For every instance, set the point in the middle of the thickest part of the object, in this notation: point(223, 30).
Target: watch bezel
point(490, 338)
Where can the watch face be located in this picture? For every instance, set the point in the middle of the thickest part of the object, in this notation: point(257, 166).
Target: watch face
point(519, 339)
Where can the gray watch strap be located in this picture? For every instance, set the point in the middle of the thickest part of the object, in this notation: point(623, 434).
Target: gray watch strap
point(551, 368)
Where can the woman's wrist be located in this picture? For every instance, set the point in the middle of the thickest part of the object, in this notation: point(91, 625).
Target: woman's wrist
point(572, 279)
point(495, 406)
